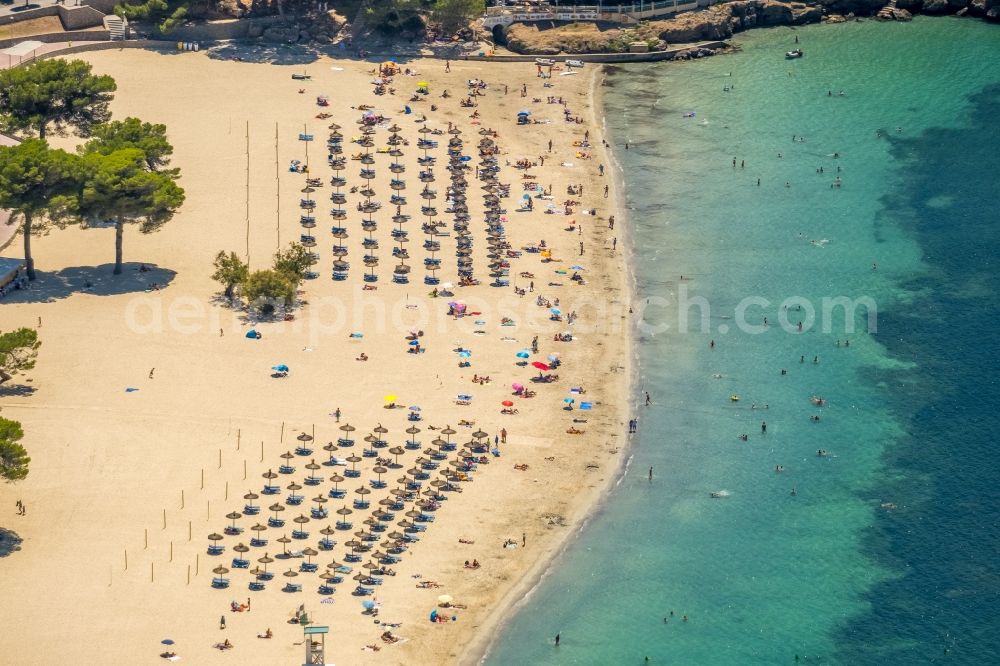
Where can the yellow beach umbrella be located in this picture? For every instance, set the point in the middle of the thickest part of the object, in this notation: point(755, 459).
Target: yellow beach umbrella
point(390, 398)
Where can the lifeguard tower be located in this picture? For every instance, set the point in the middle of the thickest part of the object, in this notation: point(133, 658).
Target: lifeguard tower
point(315, 642)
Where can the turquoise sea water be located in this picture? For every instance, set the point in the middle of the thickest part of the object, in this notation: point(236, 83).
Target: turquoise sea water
point(887, 551)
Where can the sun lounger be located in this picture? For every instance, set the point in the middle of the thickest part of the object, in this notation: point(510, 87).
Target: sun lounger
point(325, 589)
point(340, 493)
point(352, 473)
point(292, 587)
point(286, 469)
point(369, 453)
point(308, 567)
point(327, 544)
point(417, 528)
point(299, 534)
point(294, 499)
point(361, 504)
point(256, 586)
point(377, 484)
point(265, 576)
point(313, 480)
point(303, 451)
point(318, 513)
point(233, 531)
point(251, 510)
point(271, 490)
point(220, 583)
point(214, 549)
point(378, 527)
point(343, 525)
point(352, 557)
point(239, 563)
point(361, 591)
point(275, 522)
point(258, 543)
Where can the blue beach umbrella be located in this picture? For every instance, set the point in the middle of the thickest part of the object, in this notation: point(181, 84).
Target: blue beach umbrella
point(251, 333)
point(569, 401)
point(415, 408)
point(523, 354)
point(368, 604)
point(586, 406)
point(555, 311)
point(414, 343)
point(464, 354)
point(167, 641)
point(280, 368)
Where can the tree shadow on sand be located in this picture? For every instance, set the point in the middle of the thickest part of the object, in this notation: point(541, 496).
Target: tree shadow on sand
point(10, 542)
point(16, 390)
point(273, 54)
point(95, 280)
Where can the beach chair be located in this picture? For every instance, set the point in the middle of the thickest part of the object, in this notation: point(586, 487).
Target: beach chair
point(275, 522)
point(325, 590)
point(299, 534)
point(352, 473)
point(345, 441)
point(400, 278)
point(214, 549)
point(352, 557)
point(256, 542)
point(271, 490)
point(251, 510)
point(370, 277)
point(361, 504)
point(369, 453)
point(412, 445)
point(303, 451)
point(338, 493)
point(377, 484)
point(416, 528)
point(319, 513)
point(313, 480)
point(294, 500)
point(286, 469)
point(380, 444)
point(220, 583)
point(327, 544)
point(233, 531)
point(339, 276)
point(256, 586)
point(239, 563)
point(343, 525)
point(377, 527)
point(292, 587)
point(308, 567)
point(361, 591)
point(265, 576)
point(424, 518)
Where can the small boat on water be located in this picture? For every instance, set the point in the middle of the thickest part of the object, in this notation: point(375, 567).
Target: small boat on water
point(791, 55)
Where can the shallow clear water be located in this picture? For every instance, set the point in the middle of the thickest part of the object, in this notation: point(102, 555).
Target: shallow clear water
point(829, 573)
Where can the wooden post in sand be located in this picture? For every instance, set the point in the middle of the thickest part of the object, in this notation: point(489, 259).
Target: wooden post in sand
point(220, 458)
point(126, 559)
point(282, 440)
point(208, 510)
point(171, 551)
point(202, 478)
point(262, 450)
point(189, 574)
point(244, 469)
point(238, 440)
point(314, 432)
point(189, 530)
point(227, 490)
point(197, 563)
point(151, 577)
point(182, 498)
point(164, 519)
point(145, 539)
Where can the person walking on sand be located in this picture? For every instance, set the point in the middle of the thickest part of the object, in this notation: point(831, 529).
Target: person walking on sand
point(336, 414)
point(581, 248)
point(605, 189)
point(524, 539)
point(151, 373)
point(503, 435)
point(447, 66)
point(614, 243)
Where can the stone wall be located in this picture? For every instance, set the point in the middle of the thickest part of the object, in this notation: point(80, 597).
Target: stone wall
point(69, 36)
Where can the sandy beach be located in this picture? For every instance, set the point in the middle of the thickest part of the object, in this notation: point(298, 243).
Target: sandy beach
point(126, 485)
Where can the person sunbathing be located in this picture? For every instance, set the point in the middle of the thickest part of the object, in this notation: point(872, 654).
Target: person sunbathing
point(168, 655)
point(225, 645)
point(521, 466)
point(468, 541)
point(572, 430)
point(466, 423)
point(373, 647)
point(424, 584)
point(473, 565)
point(266, 634)
point(362, 357)
point(509, 410)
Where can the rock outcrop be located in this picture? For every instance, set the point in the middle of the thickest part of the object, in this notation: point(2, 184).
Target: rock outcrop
point(719, 22)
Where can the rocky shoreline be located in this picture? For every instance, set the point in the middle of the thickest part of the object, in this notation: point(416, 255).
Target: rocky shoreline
point(722, 22)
